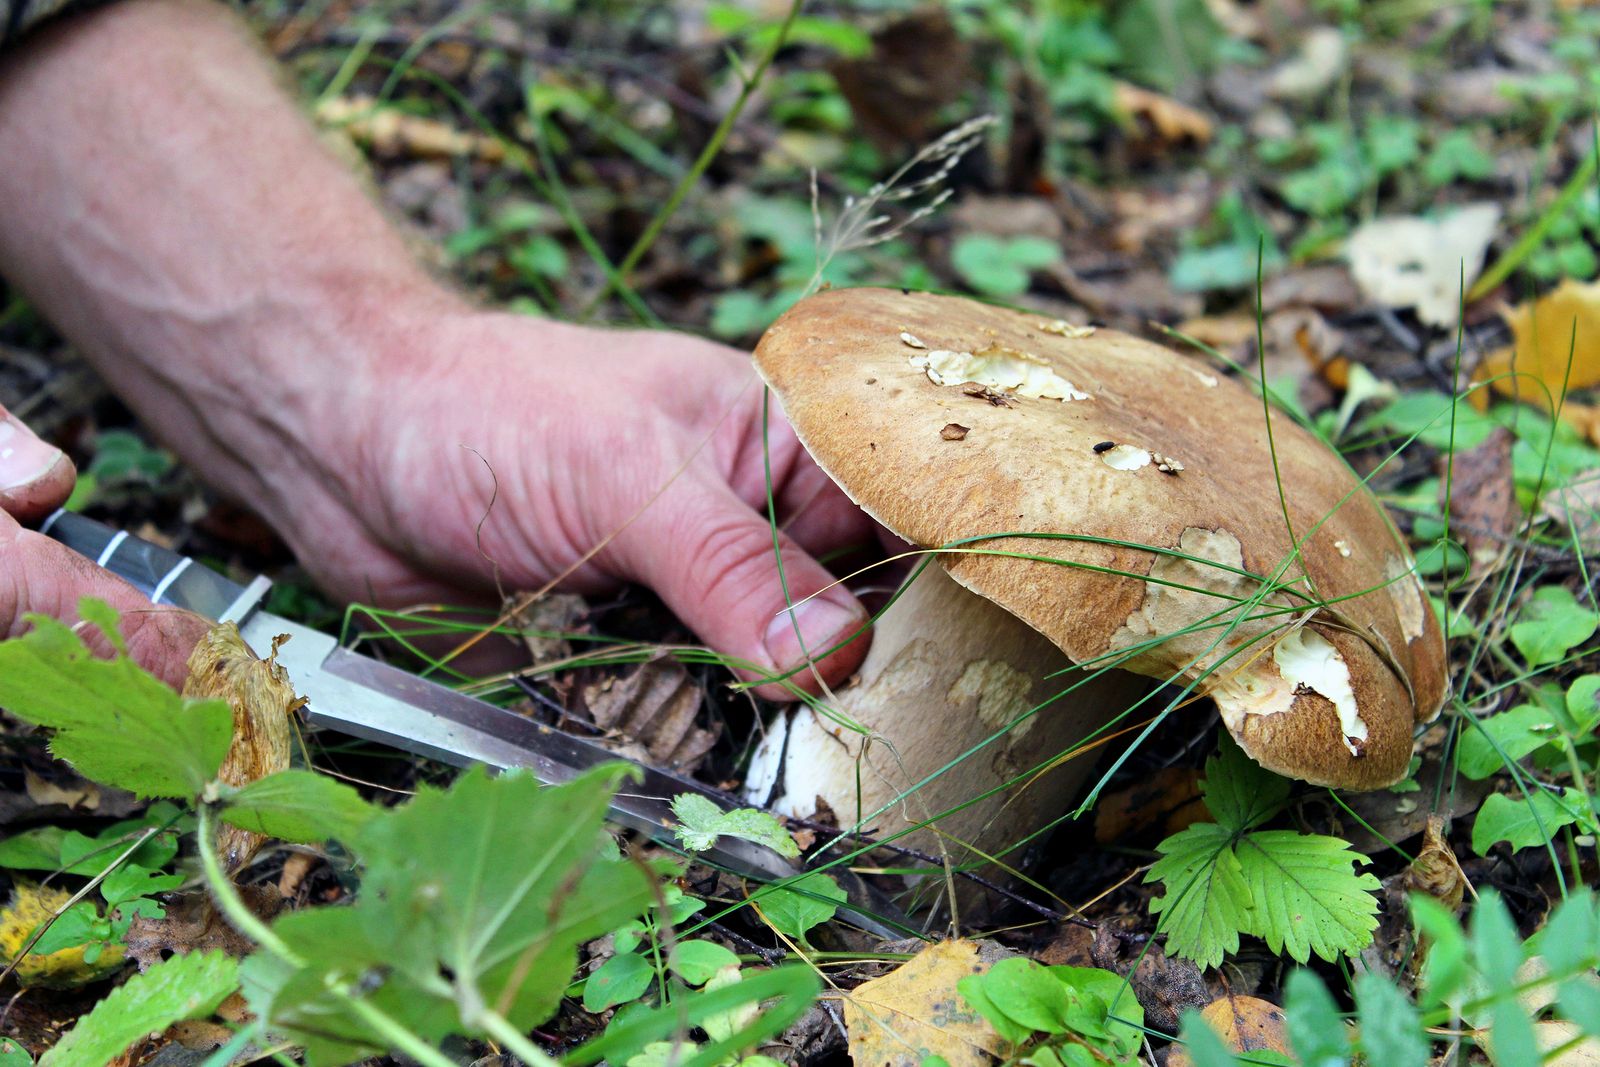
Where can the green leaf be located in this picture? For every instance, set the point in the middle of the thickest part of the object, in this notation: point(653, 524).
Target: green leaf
point(1207, 902)
point(1487, 746)
point(183, 987)
point(299, 806)
point(1429, 415)
point(1445, 968)
point(795, 908)
point(1305, 895)
point(1524, 821)
point(1028, 995)
point(974, 989)
point(622, 978)
point(1205, 1048)
point(701, 822)
point(1496, 945)
point(114, 722)
point(697, 962)
point(13, 1054)
point(1583, 704)
point(478, 895)
point(1551, 624)
point(1317, 1034)
point(1240, 793)
point(1391, 1029)
point(78, 925)
point(38, 849)
point(131, 881)
point(1000, 266)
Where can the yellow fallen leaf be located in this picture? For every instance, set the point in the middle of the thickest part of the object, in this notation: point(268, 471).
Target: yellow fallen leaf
point(223, 667)
point(1172, 121)
point(1245, 1024)
point(1548, 333)
point(914, 1012)
point(31, 907)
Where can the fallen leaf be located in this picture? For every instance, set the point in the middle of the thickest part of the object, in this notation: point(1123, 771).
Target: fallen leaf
point(1436, 871)
point(80, 795)
point(31, 907)
point(1245, 1024)
point(1577, 1050)
point(223, 667)
point(1171, 121)
point(1483, 501)
point(954, 431)
point(914, 1012)
point(544, 624)
point(193, 924)
point(1160, 804)
point(1555, 342)
point(1576, 507)
point(1322, 57)
point(1425, 264)
point(919, 63)
point(655, 706)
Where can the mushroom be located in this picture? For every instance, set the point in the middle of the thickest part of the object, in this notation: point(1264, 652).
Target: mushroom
point(1166, 551)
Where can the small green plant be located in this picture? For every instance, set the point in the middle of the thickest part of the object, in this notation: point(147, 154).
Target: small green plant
point(1001, 266)
point(1298, 892)
point(700, 823)
point(1059, 1016)
point(473, 899)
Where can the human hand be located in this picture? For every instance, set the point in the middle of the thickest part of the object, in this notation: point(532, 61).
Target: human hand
point(43, 576)
point(644, 445)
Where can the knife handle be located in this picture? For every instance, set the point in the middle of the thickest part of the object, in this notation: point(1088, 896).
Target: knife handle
point(160, 574)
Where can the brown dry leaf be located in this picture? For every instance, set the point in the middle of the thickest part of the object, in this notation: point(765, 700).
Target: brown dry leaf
point(223, 667)
point(1245, 1024)
point(1160, 804)
point(1547, 333)
point(1436, 871)
point(914, 1011)
point(1228, 333)
point(919, 63)
point(544, 623)
point(1171, 121)
point(655, 706)
point(193, 924)
point(1483, 501)
point(1576, 508)
point(954, 431)
point(79, 794)
point(391, 132)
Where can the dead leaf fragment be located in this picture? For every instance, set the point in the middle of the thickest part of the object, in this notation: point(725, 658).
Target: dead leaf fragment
point(1171, 121)
point(1483, 500)
point(1436, 871)
point(915, 1012)
point(392, 132)
point(1576, 508)
point(1555, 345)
point(1324, 53)
point(954, 431)
point(1411, 262)
point(1160, 805)
point(656, 706)
point(1245, 1024)
point(545, 623)
point(222, 667)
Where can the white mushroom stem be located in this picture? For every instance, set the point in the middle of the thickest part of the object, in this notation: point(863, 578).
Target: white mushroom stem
point(948, 670)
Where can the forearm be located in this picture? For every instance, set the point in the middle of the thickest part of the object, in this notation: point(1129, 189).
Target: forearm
point(164, 203)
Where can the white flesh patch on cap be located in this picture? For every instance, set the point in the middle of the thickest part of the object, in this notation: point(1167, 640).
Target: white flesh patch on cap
point(911, 340)
point(1063, 328)
point(1406, 592)
point(1125, 458)
point(998, 367)
point(1207, 380)
point(1344, 549)
point(1307, 660)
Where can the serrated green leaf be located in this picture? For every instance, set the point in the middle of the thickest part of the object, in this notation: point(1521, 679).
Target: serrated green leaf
point(1489, 744)
point(476, 895)
point(299, 806)
point(1391, 1029)
point(1317, 1034)
point(697, 962)
point(806, 902)
point(1206, 903)
point(701, 822)
point(1524, 821)
point(183, 987)
point(1305, 896)
point(1551, 624)
point(1239, 792)
point(113, 721)
point(620, 979)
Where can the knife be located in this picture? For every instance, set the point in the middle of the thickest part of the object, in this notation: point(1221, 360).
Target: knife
point(360, 696)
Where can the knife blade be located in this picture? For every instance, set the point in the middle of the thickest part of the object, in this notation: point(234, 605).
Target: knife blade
point(357, 695)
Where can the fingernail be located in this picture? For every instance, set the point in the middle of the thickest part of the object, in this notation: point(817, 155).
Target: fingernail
point(24, 459)
point(823, 623)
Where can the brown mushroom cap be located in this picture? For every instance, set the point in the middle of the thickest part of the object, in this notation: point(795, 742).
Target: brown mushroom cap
point(1323, 682)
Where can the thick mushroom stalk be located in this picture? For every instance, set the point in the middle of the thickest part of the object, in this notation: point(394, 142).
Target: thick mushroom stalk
point(957, 699)
point(1156, 523)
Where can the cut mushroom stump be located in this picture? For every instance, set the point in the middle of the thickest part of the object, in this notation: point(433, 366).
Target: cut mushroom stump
point(1158, 475)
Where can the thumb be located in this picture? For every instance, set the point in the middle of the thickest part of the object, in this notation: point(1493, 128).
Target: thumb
point(40, 575)
point(711, 558)
point(35, 477)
